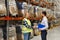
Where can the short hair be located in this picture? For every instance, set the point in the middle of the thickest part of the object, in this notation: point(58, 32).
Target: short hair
point(44, 12)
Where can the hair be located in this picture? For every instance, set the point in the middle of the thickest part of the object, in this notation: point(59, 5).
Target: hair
point(44, 12)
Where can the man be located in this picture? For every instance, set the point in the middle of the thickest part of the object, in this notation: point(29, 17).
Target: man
point(27, 23)
point(44, 29)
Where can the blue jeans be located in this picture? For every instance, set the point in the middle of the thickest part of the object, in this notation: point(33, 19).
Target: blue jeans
point(26, 36)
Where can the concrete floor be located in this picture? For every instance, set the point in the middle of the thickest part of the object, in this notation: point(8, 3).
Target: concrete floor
point(53, 34)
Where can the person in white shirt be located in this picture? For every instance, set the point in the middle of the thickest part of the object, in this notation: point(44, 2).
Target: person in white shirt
point(44, 29)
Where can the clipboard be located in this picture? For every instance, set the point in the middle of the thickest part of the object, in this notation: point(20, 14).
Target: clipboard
point(41, 26)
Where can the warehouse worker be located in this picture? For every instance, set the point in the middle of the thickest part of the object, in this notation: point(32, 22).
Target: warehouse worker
point(27, 24)
point(44, 29)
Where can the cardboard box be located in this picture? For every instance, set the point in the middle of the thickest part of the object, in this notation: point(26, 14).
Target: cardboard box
point(12, 33)
point(24, 9)
point(20, 37)
point(19, 32)
point(35, 30)
point(2, 8)
point(13, 8)
point(38, 12)
point(31, 11)
point(20, 13)
point(50, 15)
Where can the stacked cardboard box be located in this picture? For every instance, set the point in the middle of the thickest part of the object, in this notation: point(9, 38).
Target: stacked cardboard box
point(24, 9)
point(12, 33)
point(20, 36)
point(38, 12)
point(13, 8)
point(2, 8)
point(50, 15)
point(35, 30)
point(31, 11)
point(1, 34)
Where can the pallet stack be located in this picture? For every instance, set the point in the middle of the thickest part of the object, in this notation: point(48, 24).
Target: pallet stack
point(12, 33)
point(2, 8)
point(13, 8)
point(1, 34)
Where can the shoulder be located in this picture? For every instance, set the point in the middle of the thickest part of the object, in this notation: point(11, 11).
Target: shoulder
point(45, 18)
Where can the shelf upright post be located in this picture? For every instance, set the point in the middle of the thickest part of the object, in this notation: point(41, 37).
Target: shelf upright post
point(7, 5)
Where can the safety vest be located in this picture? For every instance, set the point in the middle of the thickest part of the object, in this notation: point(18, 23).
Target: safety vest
point(26, 26)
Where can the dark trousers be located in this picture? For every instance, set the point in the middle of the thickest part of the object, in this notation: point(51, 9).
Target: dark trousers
point(44, 34)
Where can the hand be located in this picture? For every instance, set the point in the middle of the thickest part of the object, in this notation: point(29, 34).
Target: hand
point(34, 27)
point(40, 29)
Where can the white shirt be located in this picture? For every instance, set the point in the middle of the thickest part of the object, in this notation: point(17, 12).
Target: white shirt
point(44, 22)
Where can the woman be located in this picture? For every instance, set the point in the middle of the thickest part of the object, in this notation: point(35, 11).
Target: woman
point(44, 29)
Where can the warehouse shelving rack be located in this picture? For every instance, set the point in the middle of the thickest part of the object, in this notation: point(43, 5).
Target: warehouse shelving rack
point(7, 18)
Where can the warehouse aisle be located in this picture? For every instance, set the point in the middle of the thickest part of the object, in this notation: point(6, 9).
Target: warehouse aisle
point(53, 34)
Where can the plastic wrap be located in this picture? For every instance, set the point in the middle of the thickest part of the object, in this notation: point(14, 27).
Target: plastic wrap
point(50, 15)
point(12, 33)
point(38, 12)
point(24, 9)
point(31, 11)
point(35, 30)
point(2, 8)
point(13, 8)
